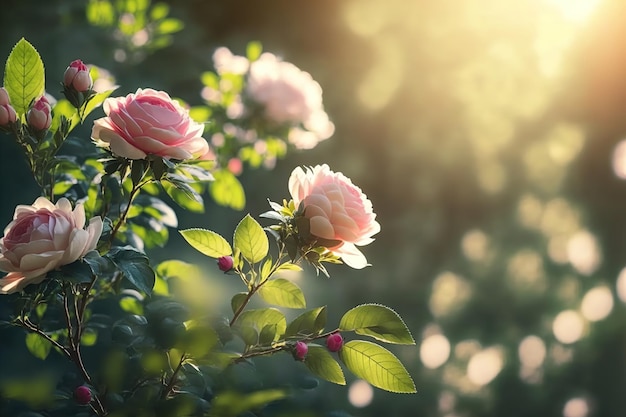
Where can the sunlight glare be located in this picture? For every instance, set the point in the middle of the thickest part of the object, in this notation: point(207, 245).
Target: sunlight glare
point(485, 365)
point(583, 252)
point(532, 351)
point(576, 407)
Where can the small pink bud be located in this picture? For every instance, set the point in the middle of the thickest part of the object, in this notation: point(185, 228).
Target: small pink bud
point(4, 96)
point(334, 342)
point(77, 76)
point(7, 114)
point(225, 263)
point(301, 350)
point(82, 395)
point(39, 116)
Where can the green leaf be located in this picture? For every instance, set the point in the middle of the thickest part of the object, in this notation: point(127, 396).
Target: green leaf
point(321, 363)
point(251, 240)
point(95, 101)
point(167, 26)
point(308, 323)
point(264, 317)
point(184, 195)
point(207, 242)
point(377, 321)
point(266, 269)
point(230, 403)
point(226, 190)
point(24, 77)
point(38, 346)
point(135, 267)
point(376, 365)
point(253, 50)
point(283, 293)
point(237, 301)
point(89, 337)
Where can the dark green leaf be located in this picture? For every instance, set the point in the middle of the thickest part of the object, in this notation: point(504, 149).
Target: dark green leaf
point(135, 266)
point(237, 301)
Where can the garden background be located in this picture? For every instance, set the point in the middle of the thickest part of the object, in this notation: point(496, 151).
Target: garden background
point(487, 135)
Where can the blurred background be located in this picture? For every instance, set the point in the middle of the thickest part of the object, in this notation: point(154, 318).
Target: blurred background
point(488, 135)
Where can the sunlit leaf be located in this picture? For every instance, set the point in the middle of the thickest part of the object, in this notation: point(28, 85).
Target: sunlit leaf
point(376, 365)
point(308, 323)
point(321, 363)
point(251, 240)
point(227, 191)
point(260, 318)
point(377, 321)
point(283, 293)
point(24, 77)
point(253, 50)
point(207, 242)
point(38, 346)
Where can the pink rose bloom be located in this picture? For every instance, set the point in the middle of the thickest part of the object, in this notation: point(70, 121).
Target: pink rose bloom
point(42, 237)
point(39, 116)
point(77, 76)
point(336, 209)
point(225, 62)
point(7, 112)
point(146, 123)
point(287, 94)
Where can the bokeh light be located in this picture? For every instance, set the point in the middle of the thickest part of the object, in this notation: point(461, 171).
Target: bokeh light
point(597, 303)
point(576, 407)
point(434, 351)
point(568, 326)
point(360, 393)
point(485, 365)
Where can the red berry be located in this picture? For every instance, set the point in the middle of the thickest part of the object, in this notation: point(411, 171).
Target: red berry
point(334, 342)
point(82, 395)
point(301, 350)
point(225, 263)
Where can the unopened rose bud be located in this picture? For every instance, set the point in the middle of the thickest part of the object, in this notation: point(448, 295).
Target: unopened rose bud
point(7, 112)
point(82, 395)
point(301, 350)
point(4, 96)
point(77, 76)
point(334, 342)
point(225, 263)
point(39, 117)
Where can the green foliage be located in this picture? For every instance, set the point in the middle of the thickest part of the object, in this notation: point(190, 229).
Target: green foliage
point(38, 346)
point(283, 293)
point(377, 366)
point(251, 240)
point(24, 77)
point(321, 363)
point(377, 321)
point(135, 266)
point(309, 323)
point(233, 404)
point(207, 242)
point(227, 191)
point(266, 319)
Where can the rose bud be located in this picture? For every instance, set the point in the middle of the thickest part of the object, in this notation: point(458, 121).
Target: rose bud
point(82, 395)
point(225, 263)
point(77, 77)
point(300, 351)
point(39, 116)
point(7, 112)
point(334, 342)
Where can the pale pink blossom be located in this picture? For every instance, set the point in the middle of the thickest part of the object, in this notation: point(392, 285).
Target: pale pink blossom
point(149, 122)
point(42, 237)
point(77, 76)
point(337, 210)
point(225, 62)
point(7, 112)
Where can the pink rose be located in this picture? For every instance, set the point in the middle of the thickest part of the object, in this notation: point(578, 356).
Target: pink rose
point(7, 112)
point(146, 123)
point(77, 76)
point(39, 116)
point(287, 94)
point(43, 237)
point(336, 209)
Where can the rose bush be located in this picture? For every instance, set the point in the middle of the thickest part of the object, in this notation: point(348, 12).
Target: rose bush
point(42, 237)
point(337, 210)
point(149, 122)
